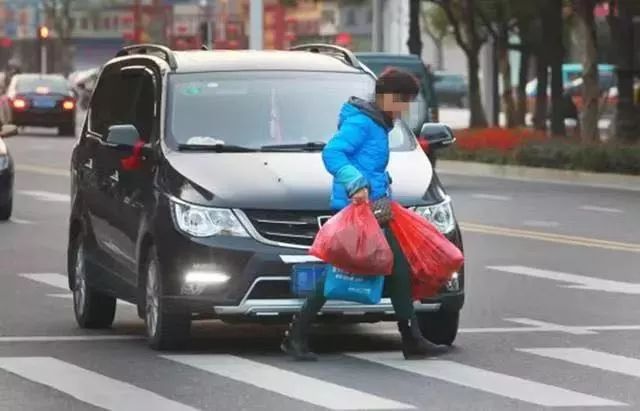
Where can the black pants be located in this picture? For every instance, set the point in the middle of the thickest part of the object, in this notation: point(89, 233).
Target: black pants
point(397, 285)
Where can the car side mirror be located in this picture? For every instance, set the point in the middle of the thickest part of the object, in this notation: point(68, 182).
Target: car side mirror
point(8, 130)
point(125, 135)
point(437, 135)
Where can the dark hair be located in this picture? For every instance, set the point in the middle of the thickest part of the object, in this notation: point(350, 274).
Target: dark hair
point(396, 81)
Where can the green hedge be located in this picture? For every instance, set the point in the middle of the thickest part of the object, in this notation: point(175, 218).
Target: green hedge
point(603, 158)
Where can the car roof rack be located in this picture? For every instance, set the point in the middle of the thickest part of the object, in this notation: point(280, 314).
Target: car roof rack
point(151, 49)
point(330, 49)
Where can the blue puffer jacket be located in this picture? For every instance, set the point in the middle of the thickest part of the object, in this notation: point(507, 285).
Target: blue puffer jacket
point(358, 154)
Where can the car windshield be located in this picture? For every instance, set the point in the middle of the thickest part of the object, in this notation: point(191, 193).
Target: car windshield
point(258, 109)
point(51, 84)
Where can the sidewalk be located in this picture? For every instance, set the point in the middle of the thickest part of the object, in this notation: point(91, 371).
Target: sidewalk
point(543, 175)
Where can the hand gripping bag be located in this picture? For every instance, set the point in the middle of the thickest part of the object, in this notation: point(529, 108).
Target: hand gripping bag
point(432, 257)
point(353, 241)
point(363, 289)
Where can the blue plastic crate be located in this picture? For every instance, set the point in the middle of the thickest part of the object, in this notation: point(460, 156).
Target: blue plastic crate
point(305, 278)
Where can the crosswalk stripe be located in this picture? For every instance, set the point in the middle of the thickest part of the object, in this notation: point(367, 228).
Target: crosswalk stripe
point(590, 358)
point(288, 383)
point(489, 381)
point(88, 386)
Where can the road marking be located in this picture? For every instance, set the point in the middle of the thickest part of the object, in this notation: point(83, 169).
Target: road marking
point(578, 281)
point(482, 196)
point(551, 237)
point(287, 383)
point(590, 358)
point(67, 338)
point(541, 224)
point(551, 326)
point(21, 221)
point(88, 386)
point(46, 196)
point(48, 171)
point(69, 296)
point(52, 279)
point(601, 209)
point(488, 381)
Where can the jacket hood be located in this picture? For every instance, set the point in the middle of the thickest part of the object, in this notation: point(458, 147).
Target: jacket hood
point(357, 106)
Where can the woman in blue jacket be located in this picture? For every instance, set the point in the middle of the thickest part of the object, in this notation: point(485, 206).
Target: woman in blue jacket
point(357, 157)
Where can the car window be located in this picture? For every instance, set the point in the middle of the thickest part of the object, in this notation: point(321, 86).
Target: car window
point(36, 83)
point(254, 109)
point(123, 98)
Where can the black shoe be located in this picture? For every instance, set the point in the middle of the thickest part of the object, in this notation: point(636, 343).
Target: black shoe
point(414, 345)
point(296, 343)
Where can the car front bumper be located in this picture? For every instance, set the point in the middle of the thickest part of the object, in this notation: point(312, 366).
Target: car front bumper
point(259, 280)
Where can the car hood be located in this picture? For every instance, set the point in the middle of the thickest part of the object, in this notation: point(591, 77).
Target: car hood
point(279, 180)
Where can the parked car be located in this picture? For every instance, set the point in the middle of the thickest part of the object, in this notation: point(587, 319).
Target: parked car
point(451, 89)
point(44, 100)
point(198, 185)
point(6, 174)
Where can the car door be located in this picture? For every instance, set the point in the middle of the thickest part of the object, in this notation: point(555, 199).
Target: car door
point(112, 104)
point(135, 185)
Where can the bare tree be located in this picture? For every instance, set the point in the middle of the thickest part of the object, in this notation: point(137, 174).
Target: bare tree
point(462, 15)
point(436, 25)
point(58, 12)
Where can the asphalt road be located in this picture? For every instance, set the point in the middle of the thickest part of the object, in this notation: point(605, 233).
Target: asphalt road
point(552, 317)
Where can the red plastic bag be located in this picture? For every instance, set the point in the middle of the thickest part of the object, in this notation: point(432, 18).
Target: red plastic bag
point(353, 241)
point(432, 257)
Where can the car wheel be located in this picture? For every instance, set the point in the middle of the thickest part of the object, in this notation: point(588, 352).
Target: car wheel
point(92, 308)
point(68, 130)
point(439, 327)
point(165, 330)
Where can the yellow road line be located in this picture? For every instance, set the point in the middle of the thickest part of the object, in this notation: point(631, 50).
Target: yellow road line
point(551, 237)
point(48, 171)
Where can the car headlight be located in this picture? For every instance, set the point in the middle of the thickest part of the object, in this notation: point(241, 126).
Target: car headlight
point(199, 221)
point(441, 215)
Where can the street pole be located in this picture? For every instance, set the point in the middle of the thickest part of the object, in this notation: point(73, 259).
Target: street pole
point(256, 20)
point(43, 58)
point(378, 23)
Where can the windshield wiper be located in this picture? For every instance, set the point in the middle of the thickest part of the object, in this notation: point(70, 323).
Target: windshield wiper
point(311, 146)
point(218, 148)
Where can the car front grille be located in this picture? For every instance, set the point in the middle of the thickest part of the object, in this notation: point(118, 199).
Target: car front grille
point(297, 228)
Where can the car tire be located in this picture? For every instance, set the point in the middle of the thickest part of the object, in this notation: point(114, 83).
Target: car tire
point(165, 330)
point(440, 327)
point(6, 210)
point(92, 308)
point(68, 130)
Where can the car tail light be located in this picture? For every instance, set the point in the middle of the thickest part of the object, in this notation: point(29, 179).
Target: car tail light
point(19, 103)
point(68, 105)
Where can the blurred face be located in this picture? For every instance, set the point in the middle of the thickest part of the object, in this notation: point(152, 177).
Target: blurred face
point(395, 105)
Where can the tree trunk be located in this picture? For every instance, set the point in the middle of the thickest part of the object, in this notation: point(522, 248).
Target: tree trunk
point(542, 96)
point(626, 125)
point(508, 103)
point(556, 42)
point(591, 88)
point(521, 104)
point(415, 37)
point(478, 117)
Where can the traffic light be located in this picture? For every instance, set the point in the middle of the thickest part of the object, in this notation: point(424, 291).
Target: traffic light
point(43, 33)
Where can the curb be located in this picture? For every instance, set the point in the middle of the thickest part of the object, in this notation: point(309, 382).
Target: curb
point(541, 175)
